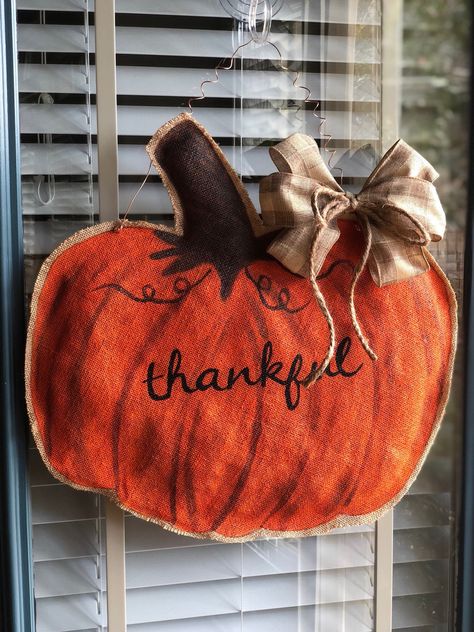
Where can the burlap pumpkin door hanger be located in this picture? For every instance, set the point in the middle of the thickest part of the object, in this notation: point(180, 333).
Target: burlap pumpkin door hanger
point(241, 375)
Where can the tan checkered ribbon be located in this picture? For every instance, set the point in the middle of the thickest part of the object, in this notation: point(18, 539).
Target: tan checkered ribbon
point(398, 210)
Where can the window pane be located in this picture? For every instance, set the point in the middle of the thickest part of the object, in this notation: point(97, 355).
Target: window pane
point(434, 97)
point(164, 51)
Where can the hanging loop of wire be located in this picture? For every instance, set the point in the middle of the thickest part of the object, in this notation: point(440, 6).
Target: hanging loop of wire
point(259, 38)
point(121, 222)
point(262, 38)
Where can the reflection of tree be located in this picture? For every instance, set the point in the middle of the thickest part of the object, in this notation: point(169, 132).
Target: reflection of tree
point(435, 92)
point(434, 120)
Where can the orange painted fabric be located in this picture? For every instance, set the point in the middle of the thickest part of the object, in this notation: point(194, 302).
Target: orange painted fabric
point(164, 367)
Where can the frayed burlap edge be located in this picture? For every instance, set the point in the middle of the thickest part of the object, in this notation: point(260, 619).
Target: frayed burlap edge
point(341, 521)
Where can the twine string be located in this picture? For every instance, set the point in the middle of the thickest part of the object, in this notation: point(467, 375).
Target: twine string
point(365, 225)
point(341, 204)
point(313, 276)
point(122, 222)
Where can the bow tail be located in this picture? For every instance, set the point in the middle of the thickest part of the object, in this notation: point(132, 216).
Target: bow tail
point(392, 260)
point(316, 248)
point(318, 241)
point(368, 234)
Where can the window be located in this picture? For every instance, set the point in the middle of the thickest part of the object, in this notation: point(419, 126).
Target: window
point(434, 95)
point(379, 72)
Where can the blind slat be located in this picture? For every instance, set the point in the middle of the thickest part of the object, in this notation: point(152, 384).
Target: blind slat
point(423, 510)
point(185, 42)
point(419, 578)
point(415, 611)
point(67, 614)
point(143, 121)
point(325, 618)
point(60, 503)
point(429, 543)
point(68, 577)
point(73, 159)
point(142, 80)
point(67, 540)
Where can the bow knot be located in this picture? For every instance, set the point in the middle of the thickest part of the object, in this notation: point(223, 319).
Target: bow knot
point(353, 200)
point(398, 209)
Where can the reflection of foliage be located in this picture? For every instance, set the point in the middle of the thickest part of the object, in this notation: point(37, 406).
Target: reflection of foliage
point(436, 92)
point(434, 121)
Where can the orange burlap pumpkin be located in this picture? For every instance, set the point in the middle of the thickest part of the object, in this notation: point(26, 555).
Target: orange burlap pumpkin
point(164, 367)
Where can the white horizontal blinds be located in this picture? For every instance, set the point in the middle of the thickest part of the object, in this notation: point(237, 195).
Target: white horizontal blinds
point(57, 174)
point(158, 41)
point(68, 550)
point(181, 584)
point(424, 521)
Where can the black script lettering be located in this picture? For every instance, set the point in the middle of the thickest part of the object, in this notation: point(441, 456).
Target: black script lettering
point(270, 371)
point(292, 402)
point(213, 382)
point(245, 373)
point(173, 374)
point(340, 356)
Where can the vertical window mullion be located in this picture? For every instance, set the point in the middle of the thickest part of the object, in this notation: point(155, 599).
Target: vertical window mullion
point(107, 151)
point(383, 572)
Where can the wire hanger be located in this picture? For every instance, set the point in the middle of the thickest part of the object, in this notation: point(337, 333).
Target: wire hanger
point(260, 37)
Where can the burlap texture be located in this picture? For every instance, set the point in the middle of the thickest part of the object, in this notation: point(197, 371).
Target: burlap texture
point(235, 448)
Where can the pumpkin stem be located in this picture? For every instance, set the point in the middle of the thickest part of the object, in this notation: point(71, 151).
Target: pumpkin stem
point(210, 209)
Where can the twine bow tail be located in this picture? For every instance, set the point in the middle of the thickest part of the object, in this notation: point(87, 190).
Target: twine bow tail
point(398, 210)
point(313, 277)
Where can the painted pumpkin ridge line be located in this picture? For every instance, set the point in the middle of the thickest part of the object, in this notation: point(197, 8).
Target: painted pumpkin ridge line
point(257, 428)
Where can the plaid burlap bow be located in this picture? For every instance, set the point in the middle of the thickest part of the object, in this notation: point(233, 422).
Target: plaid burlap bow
point(398, 210)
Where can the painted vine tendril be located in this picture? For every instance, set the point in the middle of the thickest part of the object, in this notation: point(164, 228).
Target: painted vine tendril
point(281, 298)
point(181, 288)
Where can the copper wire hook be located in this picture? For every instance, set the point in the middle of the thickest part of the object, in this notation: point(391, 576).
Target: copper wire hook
point(323, 134)
point(258, 39)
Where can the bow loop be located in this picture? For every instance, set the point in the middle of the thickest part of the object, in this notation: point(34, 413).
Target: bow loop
point(286, 198)
point(399, 200)
point(398, 209)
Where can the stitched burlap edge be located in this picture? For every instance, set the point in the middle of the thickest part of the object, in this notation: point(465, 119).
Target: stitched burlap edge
point(340, 521)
